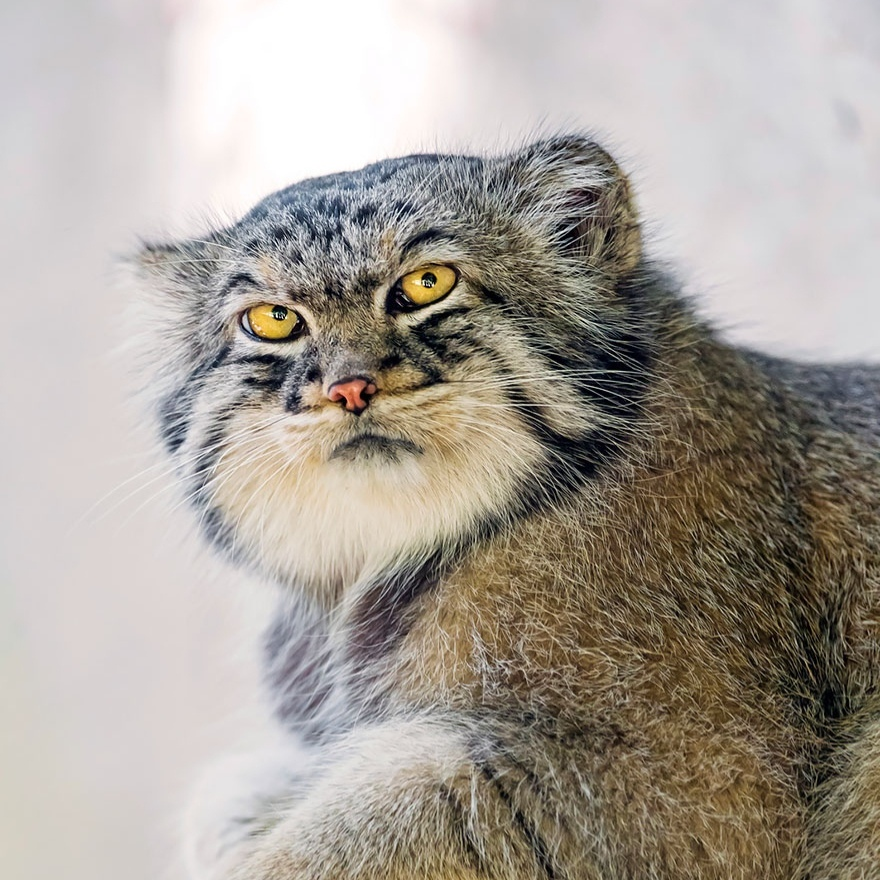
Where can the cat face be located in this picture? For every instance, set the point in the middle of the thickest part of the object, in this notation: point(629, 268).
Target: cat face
point(369, 366)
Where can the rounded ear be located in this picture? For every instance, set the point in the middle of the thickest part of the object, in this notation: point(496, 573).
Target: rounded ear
point(184, 266)
point(167, 285)
point(170, 281)
point(580, 193)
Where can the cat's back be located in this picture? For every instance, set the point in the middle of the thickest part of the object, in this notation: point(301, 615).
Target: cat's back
point(836, 481)
point(843, 397)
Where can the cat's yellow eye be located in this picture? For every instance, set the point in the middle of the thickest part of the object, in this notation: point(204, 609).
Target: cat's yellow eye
point(428, 284)
point(273, 323)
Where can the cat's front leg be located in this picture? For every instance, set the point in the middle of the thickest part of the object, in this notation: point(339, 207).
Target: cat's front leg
point(237, 801)
point(399, 800)
point(525, 798)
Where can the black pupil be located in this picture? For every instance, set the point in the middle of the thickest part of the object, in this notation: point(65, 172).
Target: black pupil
point(429, 279)
point(279, 313)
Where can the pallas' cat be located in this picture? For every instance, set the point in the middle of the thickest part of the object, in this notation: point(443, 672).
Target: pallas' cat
point(572, 588)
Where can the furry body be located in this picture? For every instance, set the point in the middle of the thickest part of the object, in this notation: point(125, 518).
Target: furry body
point(584, 593)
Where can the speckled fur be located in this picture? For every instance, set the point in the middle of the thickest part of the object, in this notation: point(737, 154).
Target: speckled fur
point(614, 612)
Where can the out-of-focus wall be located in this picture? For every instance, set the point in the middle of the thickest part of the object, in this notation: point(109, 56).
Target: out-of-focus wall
point(752, 130)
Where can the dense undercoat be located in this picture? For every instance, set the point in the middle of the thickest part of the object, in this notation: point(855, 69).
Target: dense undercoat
point(607, 604)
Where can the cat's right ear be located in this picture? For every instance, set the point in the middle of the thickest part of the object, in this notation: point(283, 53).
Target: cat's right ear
point(168, 284)
point(183, 268)
point(172, 280)
point(573, 188)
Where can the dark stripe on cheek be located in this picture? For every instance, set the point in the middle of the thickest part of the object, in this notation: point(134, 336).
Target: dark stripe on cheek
point(209, 449)
point(174, 413)
point(451, 346)
point(215, 362)
point(271, 377)
point(175, 408)
point(419, 356)
point(271, 380)
point(615, 375)
point(491, 295)
point(217, 530)
point(293, 400)
point(305, 371)
point(441, 317)
point(269, 360)
point(572, 462)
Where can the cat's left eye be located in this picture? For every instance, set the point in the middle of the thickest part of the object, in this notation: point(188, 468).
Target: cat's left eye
point(272, 322)
point(423, 287)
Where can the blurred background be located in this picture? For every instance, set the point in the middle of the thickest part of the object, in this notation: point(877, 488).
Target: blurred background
point(752, 130)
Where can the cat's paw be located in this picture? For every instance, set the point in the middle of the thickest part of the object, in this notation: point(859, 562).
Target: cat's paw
point(237, 801)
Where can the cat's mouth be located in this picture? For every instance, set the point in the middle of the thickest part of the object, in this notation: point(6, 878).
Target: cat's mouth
point(375, 446)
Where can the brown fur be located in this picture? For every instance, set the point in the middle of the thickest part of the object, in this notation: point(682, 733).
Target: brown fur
point(665, 626)
point(672, 672)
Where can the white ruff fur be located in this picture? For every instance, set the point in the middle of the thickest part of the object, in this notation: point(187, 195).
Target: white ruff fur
point(326, 522)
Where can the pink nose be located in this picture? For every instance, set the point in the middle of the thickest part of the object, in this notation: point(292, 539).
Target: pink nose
point(355, 392)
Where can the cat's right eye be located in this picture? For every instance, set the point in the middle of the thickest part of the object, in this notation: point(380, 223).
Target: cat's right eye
point(271, 322)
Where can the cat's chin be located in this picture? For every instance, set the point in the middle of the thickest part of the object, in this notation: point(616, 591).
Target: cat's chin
point(324, 502)
point(374, 448)
point(326, 524)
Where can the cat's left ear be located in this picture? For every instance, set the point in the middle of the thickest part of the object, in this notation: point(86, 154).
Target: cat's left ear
point(579, 194)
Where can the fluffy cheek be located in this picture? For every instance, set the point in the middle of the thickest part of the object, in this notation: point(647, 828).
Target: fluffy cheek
point(309, 519)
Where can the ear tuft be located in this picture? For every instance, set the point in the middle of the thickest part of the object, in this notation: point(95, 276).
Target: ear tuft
point(175, 265)
point(585, 199)
point(167, 285)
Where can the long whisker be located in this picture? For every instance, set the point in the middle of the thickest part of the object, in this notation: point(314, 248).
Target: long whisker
point(214, 485)
point(169, 468)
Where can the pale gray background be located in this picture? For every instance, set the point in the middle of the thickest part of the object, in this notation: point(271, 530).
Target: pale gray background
point(752, 129)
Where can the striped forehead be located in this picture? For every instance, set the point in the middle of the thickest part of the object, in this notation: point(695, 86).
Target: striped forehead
point(348, 211)
point(331, 248)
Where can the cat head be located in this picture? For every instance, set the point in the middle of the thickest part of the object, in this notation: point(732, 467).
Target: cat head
point(370, 366)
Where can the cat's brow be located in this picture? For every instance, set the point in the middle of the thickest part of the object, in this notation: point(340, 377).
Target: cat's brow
point(429, 235)
point(240, 279)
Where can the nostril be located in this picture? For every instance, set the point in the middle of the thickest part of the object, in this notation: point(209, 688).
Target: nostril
point(354, 393)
